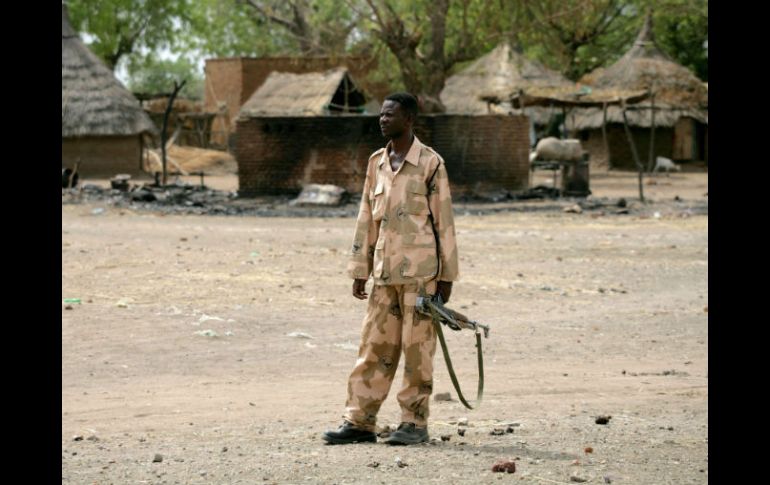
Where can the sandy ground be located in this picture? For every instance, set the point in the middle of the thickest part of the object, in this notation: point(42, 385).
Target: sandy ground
point(589, 316)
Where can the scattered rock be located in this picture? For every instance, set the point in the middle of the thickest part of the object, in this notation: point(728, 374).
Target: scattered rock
point(589, 449)
point(462, 422)
point(373, 464)
point(320, 195)
point(622, 203)
point(497, 432)
point(443, 396)
point(77, 438)
point(93, 437)
point(461, 431)
point(224, 449)
point(509, 429)
point(206, 333)
point(299, 335)
point(400, 462)
point(158, 458)
point(575, 478)
point(143, 196)
point(607, 480)
point(603, 419)
point(706, 309)
point(68, 307)
point(504, 466)
point(385, 431)
point(621, 211)
point(445, 437)
point(574, 209)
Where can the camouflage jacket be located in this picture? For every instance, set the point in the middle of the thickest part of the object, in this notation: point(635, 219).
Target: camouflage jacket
point(405, 230)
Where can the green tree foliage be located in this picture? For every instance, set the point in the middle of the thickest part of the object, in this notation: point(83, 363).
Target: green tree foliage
point(681, 29)
point(129, 28)
point(418, 43)
point(157, 76)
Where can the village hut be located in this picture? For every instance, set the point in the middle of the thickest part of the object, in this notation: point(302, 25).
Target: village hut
point(104, 127)
point(678, 98)
point(497, 74)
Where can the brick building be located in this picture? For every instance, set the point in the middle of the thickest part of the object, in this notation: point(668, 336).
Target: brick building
point(279, 154)
point(230, 82)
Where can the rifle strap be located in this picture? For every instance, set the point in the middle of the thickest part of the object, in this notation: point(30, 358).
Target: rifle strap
point(448, 361)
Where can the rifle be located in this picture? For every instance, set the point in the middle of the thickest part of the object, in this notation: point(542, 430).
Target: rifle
point(433, 307)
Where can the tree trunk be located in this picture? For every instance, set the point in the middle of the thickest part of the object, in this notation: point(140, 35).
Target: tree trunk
point(639, 166)
point(177, 88)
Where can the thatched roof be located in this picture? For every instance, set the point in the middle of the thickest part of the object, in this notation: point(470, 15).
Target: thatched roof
point(678, 92)
point(310, 94)
point(93, 101)
point(499, 73)
point(569, 97)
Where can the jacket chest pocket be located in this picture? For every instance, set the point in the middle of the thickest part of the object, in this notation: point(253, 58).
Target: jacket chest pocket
point(378, 203)
point(416, 197)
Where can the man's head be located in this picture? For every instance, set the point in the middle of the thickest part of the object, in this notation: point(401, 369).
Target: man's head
point(398, 114)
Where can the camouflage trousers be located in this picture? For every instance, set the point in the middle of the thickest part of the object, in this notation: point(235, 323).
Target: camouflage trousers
point(391, 326)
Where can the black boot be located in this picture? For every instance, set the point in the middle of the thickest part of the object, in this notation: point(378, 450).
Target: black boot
point(348, 433)
point(408, 434)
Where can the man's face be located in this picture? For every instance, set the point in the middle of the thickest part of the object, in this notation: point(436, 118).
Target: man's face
point(393, 119)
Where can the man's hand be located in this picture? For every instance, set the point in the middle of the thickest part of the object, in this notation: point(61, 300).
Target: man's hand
point(359, 289)
point(444, 288)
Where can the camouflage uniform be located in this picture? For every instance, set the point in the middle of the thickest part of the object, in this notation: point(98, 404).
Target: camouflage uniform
point(395, 242)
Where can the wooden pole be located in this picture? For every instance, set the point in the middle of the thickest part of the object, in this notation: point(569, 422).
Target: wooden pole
point(604, 135)
point(177, 88)
point(633, 148)
point(652, 136)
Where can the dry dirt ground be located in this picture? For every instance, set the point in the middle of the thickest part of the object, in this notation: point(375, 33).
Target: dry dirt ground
point(590, 316)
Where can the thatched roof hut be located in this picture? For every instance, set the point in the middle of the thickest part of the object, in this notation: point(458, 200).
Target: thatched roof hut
point(499, 73)
point(677, 91)
point(310, 94)
point(102, 123)
point(94, 102)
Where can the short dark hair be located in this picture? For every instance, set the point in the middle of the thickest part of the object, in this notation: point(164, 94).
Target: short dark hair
point(407, 101)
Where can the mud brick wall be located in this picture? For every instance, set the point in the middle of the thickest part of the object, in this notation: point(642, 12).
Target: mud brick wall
point(620, 150)
point(280, 155)
point(103, 156)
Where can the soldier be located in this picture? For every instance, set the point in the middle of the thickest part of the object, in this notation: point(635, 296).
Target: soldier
point(404, 239)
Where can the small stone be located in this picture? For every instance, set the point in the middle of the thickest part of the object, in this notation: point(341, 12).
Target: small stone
point(575, 478)
point(497, 432)
point(509, 429)
point(443, 396)
point(461, 431)
point(671, 428)
point(68, 307)
point(445, 437)
point(603, 419)
point(607, 480)
point(400, 462)
point(462, 422)
point(158, 458)
point(224, 448)
point(373, 464)
point(575, 209)
point(93, 437)
point(589, 449)
point(504, 466)
point(77, 438)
